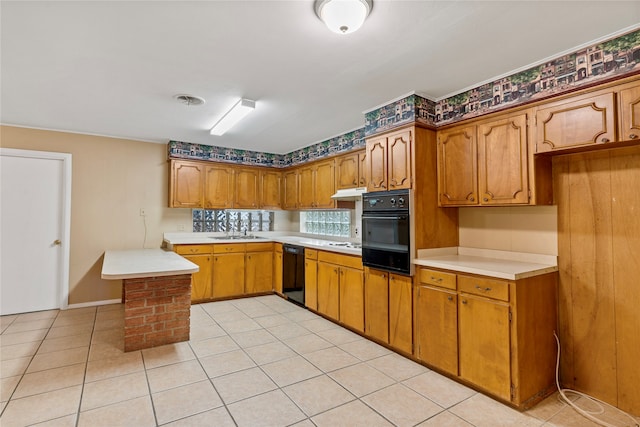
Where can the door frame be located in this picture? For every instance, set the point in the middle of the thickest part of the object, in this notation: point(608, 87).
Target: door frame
point(65, 226)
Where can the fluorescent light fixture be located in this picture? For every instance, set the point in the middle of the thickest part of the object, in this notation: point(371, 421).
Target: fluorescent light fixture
point(343, 16)
point(233, 116)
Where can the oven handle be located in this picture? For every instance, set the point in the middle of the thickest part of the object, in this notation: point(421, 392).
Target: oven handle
point(385, 217)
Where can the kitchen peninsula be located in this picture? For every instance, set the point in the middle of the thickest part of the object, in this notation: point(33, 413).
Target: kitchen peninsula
point(156, 291)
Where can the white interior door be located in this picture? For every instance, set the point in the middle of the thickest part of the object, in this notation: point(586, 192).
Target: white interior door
point(34, 230)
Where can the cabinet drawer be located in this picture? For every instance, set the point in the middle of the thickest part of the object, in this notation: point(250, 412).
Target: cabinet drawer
point(310, 253)
point(193, 249)
point(229, 249)
point(342, 260)
point(490, 288)
point(259, 247)
point(437, 278)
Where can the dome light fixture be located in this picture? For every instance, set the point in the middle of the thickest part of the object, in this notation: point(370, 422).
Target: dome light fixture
point(343, 16)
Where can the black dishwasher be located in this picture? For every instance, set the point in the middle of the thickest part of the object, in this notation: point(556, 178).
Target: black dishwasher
point(293, 273)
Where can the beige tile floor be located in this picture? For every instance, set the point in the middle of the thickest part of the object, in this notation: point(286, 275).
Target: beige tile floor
point(250, 362)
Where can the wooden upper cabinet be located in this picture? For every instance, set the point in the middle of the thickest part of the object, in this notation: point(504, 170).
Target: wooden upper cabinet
point(576, 122)
point(376, 160)
point(186, 184)
point(270, 189)
point(324, 184)
point(457, 166)
point(503, 162)
point(399, 160)
point(290, 189)
point(316, 185)
point(306, 197)
point(347, 175)
point(218, 187)
point(630, 113)
point(246, 194)
point(362, 168)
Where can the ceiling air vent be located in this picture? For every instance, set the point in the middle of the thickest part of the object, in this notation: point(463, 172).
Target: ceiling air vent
point(189, 100)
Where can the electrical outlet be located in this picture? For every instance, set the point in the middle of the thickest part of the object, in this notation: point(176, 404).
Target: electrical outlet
point(143, 212)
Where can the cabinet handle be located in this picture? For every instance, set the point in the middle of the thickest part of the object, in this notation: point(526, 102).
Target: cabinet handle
point(485, 199)
point(215, 259)
point(605, 140)
point(472, 199)
point(480, 288)
point(633, 136)
point(464, 301)
point(249, 256)
point(436, 279)
point(335, 270)
point(450, 298)
point(355, 182)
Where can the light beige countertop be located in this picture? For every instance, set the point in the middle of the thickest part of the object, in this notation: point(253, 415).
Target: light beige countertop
point(185, 238)
point(487, 262)
point(135, 263)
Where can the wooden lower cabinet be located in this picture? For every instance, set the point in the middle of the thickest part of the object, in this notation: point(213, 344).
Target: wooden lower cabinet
point(277, 268)
point(228, 275)
point(311, 279)
point(400, 312)
point(328, 290)
point(376, 304)
point(436, 327)
point(258, 272)
point(503, 340)
point(352, 298)
point(484, 344)
point(202, 256)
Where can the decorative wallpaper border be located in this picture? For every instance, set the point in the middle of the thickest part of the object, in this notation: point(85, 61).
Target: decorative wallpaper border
point(340, 144)
point(607, 60)
point(410, 109)
point(611, 59)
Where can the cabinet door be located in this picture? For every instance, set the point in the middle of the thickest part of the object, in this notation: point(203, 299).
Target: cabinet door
point(306, 196)
point(246, 192)
point(400, 313)
point(186, 189)
point(457, 167)
point(502, 161)
point(376, 310)
point(270, 190)
point(399, 160)
point(324, 185)
point(588, 120)
point(218, 187)
point(258, 272)
point(328, 290)
point(484, 344)
point(436, 312)
point(352, 298)
point(347, 172)
point(201, 281)
point(290, 196)
point(228, 275)
point(311, 284)
point(630, 113)
point(376, 159)
point(277, 270)
point(362, 169)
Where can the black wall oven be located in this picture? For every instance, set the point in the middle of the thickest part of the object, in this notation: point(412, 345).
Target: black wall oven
point(386, 231)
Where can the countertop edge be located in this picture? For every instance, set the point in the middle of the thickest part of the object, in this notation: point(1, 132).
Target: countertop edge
point(459, 267)
point(139, 263)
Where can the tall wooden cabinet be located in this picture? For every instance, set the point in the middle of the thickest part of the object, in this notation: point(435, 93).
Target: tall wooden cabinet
point(388, 161)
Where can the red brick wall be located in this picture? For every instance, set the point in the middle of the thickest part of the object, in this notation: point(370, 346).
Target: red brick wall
point(156, 311)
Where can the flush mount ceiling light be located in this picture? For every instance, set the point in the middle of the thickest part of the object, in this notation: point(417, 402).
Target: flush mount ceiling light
point(233, 116)
point(343, 16)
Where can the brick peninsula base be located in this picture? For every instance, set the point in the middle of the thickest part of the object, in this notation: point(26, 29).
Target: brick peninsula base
point(156, 311)
point(156, 292)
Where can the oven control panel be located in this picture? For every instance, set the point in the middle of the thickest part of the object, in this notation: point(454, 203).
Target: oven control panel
point(386, 200)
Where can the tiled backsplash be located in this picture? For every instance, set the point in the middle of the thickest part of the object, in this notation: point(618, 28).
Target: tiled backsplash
point(327, 223)
point(212, 220)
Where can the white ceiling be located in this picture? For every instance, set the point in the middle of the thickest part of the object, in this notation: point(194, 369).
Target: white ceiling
point(112, 67)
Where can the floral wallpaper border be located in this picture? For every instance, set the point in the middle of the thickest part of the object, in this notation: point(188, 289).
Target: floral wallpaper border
point(613, 58)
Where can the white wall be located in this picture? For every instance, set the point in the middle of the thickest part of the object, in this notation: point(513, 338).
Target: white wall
point(531, 229)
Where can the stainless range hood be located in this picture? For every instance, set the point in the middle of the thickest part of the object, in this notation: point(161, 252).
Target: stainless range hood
point(350, 194)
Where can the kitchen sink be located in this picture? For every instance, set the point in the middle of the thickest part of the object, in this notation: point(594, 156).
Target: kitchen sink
point(236, 237)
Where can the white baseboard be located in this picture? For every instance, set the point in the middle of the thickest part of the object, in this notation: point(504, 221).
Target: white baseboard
point(93, 303)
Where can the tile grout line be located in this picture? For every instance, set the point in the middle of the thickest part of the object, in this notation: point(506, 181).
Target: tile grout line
point(86, 366)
